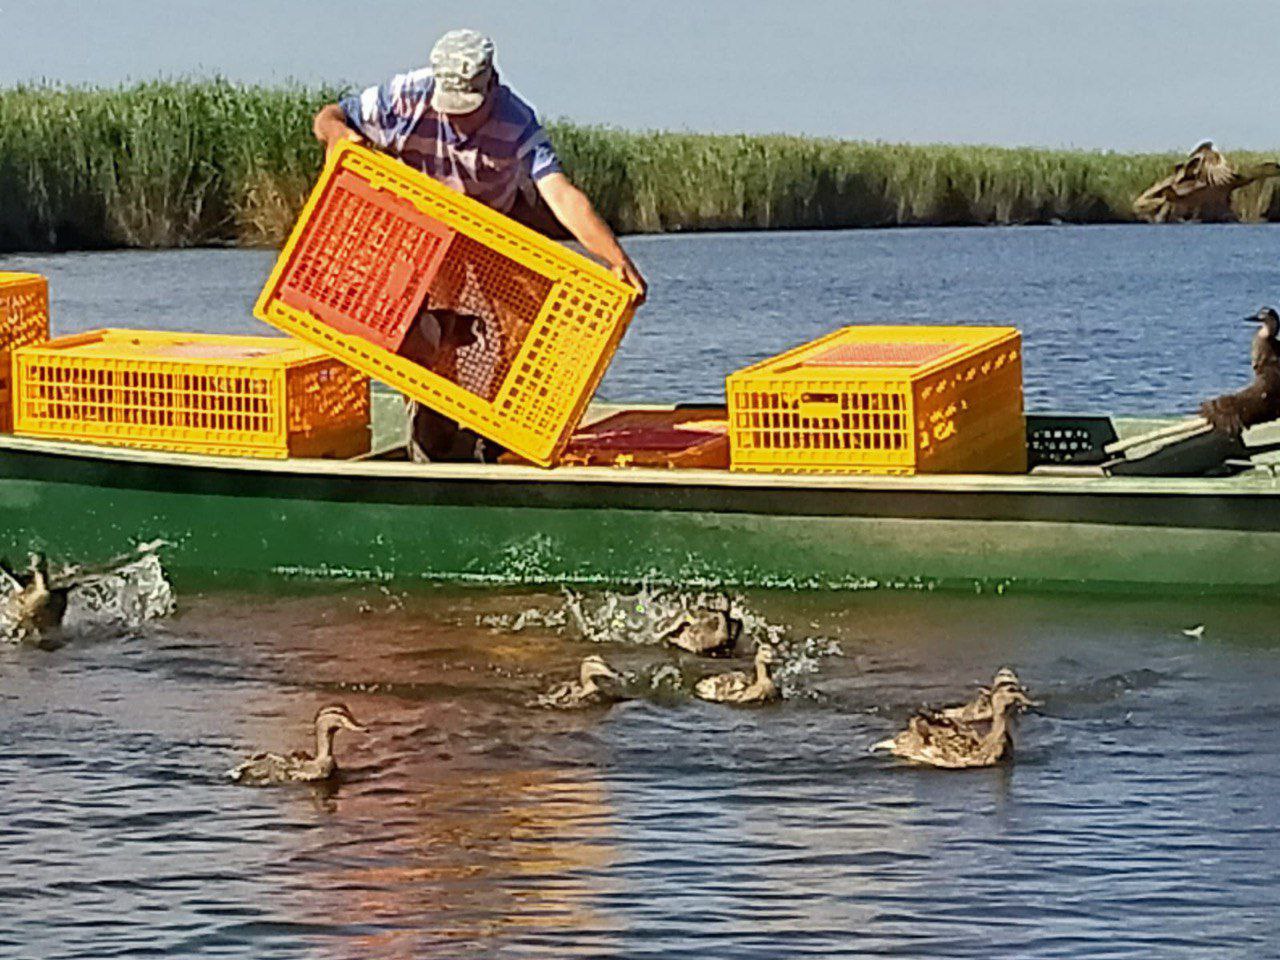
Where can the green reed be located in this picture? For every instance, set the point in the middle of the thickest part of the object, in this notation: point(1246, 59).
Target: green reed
point(193, 162)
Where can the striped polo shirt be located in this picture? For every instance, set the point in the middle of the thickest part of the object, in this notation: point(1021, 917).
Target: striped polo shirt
point(505, 157)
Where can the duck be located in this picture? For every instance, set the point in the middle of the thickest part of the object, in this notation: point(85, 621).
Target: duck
point(32, 607)
point(938, 741)
point(707, 633)
point(737, 686)
point(268, 769)
point(1200, 187)
point(1259, 402)
point(585, 691)
point(979, 708)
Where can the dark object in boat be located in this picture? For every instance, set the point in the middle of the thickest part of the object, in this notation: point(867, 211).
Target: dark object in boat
point(1260, 401)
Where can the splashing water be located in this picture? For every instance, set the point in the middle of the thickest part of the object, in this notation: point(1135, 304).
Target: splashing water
point(642, 618)
point(123, 598)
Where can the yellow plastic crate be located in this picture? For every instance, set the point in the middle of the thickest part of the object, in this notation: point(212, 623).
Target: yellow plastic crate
point(233, 396)
point(24, 319)
point(890, 400)
point(377, 239)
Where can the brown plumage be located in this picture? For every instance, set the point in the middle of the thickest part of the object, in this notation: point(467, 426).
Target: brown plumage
point(1199, 188)
point(35, 603)
point(267, 769)
point(708, 633)
point(939, 741)
point(979, 708)
point(1259, 402)
point(738, 686)
point(585, 691)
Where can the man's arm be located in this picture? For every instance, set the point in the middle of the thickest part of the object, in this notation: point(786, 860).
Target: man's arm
point(330, 127)
point(574, 210)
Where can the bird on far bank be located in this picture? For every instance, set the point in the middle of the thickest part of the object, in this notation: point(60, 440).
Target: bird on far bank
point(268, 769)
point(737, 686)
point(707, 633)
point(979, 708)
point(586, 690)
point(1200, 188)
point(1259, 402)
point(937, 741)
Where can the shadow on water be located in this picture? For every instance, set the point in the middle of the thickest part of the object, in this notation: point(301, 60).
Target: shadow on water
point(1137, 817)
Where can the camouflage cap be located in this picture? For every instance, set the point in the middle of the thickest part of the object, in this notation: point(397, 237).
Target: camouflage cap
point(462, 64)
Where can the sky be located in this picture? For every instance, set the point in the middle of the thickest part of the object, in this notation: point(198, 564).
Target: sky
point(1095, 74)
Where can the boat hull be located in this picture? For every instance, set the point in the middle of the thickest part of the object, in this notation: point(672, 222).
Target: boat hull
point(253, 521)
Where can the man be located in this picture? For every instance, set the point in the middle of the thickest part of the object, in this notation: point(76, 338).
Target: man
point(456, 122)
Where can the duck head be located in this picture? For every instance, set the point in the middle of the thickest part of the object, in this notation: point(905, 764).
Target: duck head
point(1005, 698)
point(1005, 677)
point(594, 668)
point(766, 655)
point(336, 717)
point(1270, 321)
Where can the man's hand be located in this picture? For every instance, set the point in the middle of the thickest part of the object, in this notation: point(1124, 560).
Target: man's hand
point(627, 272)
point(330, 128)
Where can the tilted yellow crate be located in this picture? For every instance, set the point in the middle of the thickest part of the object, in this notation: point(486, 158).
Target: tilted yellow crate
point(884, 399)
point(24, 319)
point(204, 393)
point(378, 242)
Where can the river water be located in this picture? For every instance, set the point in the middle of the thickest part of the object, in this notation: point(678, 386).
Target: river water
point(1139, 819)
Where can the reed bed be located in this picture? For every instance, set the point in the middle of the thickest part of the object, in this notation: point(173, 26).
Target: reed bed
point(198, 162)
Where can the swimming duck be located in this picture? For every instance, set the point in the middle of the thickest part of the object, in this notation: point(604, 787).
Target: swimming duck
point(739, 686)
point(584, 691)
point(1259, 402)
point(265, 769)
point(1199, 188)
point(939, 741)
point(32, 607)
point(979, 708)
point(707, 633)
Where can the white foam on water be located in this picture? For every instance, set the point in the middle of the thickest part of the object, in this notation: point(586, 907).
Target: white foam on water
point(122, 599)
point(643, 616)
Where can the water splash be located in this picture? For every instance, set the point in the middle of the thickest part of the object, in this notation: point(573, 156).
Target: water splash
point(642, 617)
point(122, 599)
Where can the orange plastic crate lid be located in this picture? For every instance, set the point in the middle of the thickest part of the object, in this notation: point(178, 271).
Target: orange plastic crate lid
point(366, 262)
point(665, 430)
point(899, 354)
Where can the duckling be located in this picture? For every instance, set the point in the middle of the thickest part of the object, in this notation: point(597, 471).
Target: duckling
point(707, 633)
point(584, 691)
point(979, 708)
point(265, 769)
point(739, 686)
point(939, 741)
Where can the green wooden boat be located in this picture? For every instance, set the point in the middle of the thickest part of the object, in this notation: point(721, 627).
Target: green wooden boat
point(239, 521)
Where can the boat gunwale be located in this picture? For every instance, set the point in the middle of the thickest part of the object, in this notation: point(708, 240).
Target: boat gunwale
point(1257, 483)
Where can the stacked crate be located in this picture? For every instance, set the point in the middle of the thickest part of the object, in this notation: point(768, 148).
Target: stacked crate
point(234, 396)
point(24, 319)
point(884, 399)
point(378, 243)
